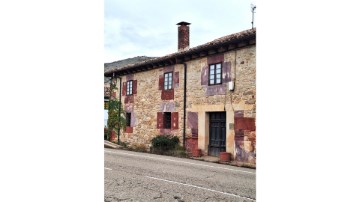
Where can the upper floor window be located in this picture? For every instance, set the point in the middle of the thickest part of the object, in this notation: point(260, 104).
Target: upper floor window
point(215, 74)
point(168, 81)
point(129, 87)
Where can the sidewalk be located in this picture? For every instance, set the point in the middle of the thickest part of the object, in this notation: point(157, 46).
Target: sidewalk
point(108, 144)
point(211, 159)
point(214, 159)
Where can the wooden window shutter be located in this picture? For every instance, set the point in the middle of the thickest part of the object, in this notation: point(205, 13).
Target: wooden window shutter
point(134, 86)
point(124, 89)
point(161, 83)
point(160, 121)
point(174, 120)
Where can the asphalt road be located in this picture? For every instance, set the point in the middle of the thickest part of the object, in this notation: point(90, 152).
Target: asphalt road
point(133, 176)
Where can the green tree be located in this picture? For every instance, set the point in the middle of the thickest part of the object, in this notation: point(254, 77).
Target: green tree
point(116, 115)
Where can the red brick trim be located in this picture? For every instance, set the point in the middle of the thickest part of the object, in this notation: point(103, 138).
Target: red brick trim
point(215, 59)
point(129, 99)
point(128, 129)
point(242, 123)
point(167, 94)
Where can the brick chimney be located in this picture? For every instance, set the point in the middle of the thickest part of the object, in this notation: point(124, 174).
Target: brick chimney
point(183, 35)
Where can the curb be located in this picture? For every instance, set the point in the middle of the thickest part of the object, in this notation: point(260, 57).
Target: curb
point(231, 163)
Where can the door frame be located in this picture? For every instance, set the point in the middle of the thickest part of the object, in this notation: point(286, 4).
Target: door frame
point(208, 125)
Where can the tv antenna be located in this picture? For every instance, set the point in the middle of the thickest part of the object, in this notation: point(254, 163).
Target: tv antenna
point(253, 7)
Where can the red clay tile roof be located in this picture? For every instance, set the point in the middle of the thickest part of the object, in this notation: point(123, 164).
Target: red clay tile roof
point(250, 33)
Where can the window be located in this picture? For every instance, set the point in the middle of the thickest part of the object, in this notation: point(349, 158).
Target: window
point(129, 88)
point(167, 119)
point(215, 74)
point(128, 119)
point(168, 81)
point(106, 104)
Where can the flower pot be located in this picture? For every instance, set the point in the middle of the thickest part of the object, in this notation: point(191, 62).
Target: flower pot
point(112, 136)
point(225, 156)
point(196, 152)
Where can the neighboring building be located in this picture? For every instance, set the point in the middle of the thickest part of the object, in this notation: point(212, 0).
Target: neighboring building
point(205, 95)
point(106, 99)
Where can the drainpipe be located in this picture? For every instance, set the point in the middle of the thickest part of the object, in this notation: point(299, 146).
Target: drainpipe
point(119, 110)
point(110, 99)
point(184, 123)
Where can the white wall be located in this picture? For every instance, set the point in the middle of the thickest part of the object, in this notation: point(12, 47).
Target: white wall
point(105, 117)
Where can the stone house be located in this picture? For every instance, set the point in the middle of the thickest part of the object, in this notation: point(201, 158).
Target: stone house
point(205, 95)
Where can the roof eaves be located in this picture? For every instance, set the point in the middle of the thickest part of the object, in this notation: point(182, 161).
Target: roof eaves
point(217, 42)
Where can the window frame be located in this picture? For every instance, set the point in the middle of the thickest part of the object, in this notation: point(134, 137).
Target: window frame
point(215, 74)
point(128, 92)
point(128, 119)
point(167, 120)
point(168, 82)
point(106, 105)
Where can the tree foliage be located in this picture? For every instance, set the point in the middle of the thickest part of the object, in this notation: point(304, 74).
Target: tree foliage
point(116, 116)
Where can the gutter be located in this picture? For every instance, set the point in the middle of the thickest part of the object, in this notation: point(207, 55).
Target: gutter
point(184, 123)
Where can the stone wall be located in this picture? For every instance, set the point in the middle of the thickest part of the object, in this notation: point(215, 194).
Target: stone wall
point(150, 100)
point(240, 67)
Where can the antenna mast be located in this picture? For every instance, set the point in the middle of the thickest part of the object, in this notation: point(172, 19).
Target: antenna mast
point(253, 7)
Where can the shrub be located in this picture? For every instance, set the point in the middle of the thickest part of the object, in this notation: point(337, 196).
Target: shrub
point(164, 143)
point(139, 147)
point(180, 151)
point(124, 144)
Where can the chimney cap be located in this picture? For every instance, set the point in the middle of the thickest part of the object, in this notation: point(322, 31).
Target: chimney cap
point(183, 23)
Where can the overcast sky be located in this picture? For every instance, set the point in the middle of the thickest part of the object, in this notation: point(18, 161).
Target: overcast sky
point(148, 28)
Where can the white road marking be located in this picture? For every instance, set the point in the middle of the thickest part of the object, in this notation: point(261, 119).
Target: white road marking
point(181, 162)
point(107, 168)
point(200, 188)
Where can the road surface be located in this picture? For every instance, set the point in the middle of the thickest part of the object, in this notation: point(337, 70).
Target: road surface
point(134, 176)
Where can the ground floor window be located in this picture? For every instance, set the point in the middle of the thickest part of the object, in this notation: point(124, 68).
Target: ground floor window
point(128, 119)
point(167, 120)
point(106, 104)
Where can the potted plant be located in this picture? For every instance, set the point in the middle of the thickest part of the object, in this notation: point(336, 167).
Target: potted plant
point(225, 156)
point(196, 152)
